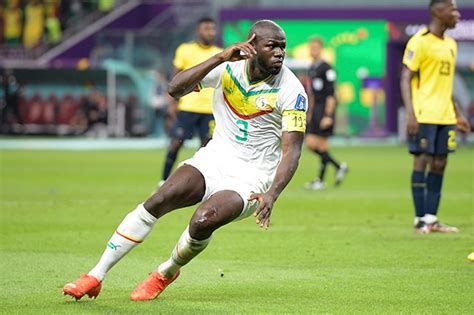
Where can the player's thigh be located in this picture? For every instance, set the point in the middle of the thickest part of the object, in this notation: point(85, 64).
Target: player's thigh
point(445, 141)
point(421, 161)
point(323, 143)
point(316, 142)
point(185, 187)
point(424, 141)
point(311, 141)
point(206, 125)
point(221, 208)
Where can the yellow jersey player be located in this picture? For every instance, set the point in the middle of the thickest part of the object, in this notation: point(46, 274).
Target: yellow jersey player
point(432, 115)
point(260, 110)
point(194, 111)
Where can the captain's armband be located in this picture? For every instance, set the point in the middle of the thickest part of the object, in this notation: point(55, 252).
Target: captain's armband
point(198, 87)
point(294, 120)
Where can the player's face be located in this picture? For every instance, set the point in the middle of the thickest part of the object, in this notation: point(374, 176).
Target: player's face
point(449, 14)
point(315, 49)
point(207, 33)
point(271, 51)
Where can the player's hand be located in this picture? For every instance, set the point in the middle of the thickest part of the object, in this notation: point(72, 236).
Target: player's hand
point(264, 210)
point(463, 125)
point(326, 122)
point(412, 125)
point(239, 51)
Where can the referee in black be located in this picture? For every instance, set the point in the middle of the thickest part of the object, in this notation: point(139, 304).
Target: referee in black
point(322, 106)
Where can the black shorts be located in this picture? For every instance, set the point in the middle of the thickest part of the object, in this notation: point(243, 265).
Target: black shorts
point(433, 140)
point(187, 122)
point(314, 126)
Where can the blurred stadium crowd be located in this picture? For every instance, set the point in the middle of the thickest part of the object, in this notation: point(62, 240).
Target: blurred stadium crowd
point(101, 67)
point(32, 23)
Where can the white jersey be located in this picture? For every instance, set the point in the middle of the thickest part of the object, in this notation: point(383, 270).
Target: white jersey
point(250, 117)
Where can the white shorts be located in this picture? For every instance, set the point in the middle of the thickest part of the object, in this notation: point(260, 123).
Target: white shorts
point(222, 171)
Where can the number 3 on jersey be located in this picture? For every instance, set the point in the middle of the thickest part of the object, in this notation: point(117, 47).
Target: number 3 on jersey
point(243, 129)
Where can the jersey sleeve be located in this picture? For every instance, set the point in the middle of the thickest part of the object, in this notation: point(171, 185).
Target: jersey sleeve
point(179, 60)
point(413, 54)
point(294, 104)
point(213, 78)
point(330, 75)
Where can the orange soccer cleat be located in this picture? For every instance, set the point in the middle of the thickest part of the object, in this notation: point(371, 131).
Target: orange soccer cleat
point(86, 284)
point(151, 287)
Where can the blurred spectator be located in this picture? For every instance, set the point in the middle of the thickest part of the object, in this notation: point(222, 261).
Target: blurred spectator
point(53, 25)
point(94, 107)
point(34, 23)
point(106, 5)
point(68, 114)
point(12, 23)
point(74, 11)
point(131, 106)
point(159, 101)
point(470, 114)
point(10, 112)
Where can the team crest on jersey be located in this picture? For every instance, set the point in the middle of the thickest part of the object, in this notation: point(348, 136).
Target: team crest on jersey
point(424, 143)
point(262, 104)
point(410, 54)
point(300, 102)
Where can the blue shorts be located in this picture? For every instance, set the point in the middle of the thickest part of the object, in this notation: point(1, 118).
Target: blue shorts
point(187, 122)
point(433, 140)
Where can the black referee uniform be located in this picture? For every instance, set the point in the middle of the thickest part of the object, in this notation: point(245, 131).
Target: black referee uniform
point(322, 77)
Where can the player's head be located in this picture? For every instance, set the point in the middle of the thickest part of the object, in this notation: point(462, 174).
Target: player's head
point(206, 31)
point(445, 11)
point(270, 44)
point(316, 45)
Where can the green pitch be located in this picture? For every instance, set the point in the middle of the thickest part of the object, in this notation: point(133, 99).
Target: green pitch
point(345, 250)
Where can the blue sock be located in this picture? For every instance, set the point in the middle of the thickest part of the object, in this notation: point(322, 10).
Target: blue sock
point(434, 182)
point(418, 186)
point(170, 159)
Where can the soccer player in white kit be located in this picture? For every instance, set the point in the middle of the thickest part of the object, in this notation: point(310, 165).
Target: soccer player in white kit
point(260, 111)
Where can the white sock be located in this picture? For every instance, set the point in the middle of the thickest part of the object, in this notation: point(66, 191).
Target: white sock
point(186, 249)
point(429, 218)
point(132, 231)
point(418, 219)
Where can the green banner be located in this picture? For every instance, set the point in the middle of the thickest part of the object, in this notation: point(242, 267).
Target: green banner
point(357, 51)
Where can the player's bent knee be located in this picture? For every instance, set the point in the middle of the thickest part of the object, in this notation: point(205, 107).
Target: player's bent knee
point(420, 162)
point(175, 145)
point(204, 222)
point(439, 164)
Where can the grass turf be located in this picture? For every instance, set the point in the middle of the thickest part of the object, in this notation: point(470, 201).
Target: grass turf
point(345, 250)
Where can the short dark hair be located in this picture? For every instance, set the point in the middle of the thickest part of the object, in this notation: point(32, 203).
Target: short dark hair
point(206, 19)
point(435, 2)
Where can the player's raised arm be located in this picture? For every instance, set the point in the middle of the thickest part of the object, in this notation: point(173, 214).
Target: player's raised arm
point(291, 143)
point(185, 81)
